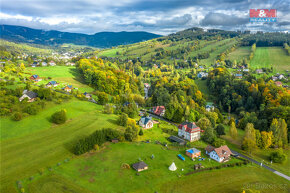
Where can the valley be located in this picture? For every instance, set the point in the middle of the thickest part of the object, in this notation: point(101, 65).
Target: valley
point(78, 120)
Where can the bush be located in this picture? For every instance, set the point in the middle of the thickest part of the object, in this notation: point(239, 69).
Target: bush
point(103, 98)
point(59, 117)
point(17, 116)
point(96, 139)
point(31, 109)
point(108, 109)
point(278, 156)
point(123, 120)
point(219, 142)
point(220, 130)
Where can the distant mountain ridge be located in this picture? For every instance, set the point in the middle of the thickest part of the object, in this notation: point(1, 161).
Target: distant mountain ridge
point(52, 37)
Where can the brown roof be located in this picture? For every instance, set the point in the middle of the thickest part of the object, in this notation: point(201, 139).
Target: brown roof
point(209, 148)
point(223, 151)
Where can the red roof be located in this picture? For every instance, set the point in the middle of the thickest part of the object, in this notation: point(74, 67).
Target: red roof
point(158, 110)
point(190, 127)
point(278, 83)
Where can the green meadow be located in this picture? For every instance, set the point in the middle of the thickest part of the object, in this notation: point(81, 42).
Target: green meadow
point(103, 172)
point(32, 123)
point(65, 75)
point(35, 144)
point(239, 54)
point(266, 57)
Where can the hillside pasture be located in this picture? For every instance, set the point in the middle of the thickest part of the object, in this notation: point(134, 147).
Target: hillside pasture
point(219, 48)
point(47, 144)
point(65, 75)
point(105, 168)
point(239, 54)
point(266, 57)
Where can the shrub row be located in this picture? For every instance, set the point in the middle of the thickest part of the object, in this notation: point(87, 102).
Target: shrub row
point(99, 137)
point(245, 162)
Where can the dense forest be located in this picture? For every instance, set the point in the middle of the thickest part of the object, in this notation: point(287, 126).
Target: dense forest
point(267, 39)
point(106, 77)
point(261, 98)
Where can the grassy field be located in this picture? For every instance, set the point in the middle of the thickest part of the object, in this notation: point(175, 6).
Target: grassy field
point(271, 57)
point(148, 49)
point(202, 87)
point(13, 129)
point(47, 144)
point(55, 184)
point(239, 54)
point(104, 167)
point(62, 74)
point(219, 49)
point(156, 132)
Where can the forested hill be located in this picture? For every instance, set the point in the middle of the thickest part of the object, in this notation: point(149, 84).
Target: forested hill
point(100, 40)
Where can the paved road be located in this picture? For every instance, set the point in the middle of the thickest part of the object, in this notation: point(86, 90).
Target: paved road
point(161, 118)
point(234, 152)
point(263, 165)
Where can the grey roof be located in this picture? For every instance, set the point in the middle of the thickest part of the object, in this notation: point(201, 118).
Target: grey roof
point(176, 139)
point(139, 165)
point(190, 125)
point(31, 94)
point(145, 120)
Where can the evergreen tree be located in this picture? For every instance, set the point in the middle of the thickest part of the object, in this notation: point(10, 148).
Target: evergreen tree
point(141, 132)
point(220, 130)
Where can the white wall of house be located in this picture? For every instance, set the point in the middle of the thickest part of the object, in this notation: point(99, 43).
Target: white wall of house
point(213, 155)
point(23, 97)
point(188, 136)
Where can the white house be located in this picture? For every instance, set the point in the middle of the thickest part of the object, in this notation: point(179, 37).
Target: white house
point(146, 122)
point(209, 107)
point(28, 94)
point(52, 63)
point(189, 131)
point(202, 75)
point(221, 154)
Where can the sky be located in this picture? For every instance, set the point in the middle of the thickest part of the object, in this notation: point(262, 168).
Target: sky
point(155, 16)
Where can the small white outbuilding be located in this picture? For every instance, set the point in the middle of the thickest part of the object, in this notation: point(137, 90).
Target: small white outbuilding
point(172, 167)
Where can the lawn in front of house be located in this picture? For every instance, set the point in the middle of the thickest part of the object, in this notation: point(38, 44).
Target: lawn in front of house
point(102, 172)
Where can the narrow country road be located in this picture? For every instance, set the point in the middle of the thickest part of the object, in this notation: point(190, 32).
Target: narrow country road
point(234, 152)
point(259, 163)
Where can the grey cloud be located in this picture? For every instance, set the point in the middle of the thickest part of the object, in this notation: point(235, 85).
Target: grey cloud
point(220, 19)
point(148, 15)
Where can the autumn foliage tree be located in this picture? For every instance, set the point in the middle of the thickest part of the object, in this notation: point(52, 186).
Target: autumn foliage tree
point(233, 130)
point(249, 141)
point(266, 139)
